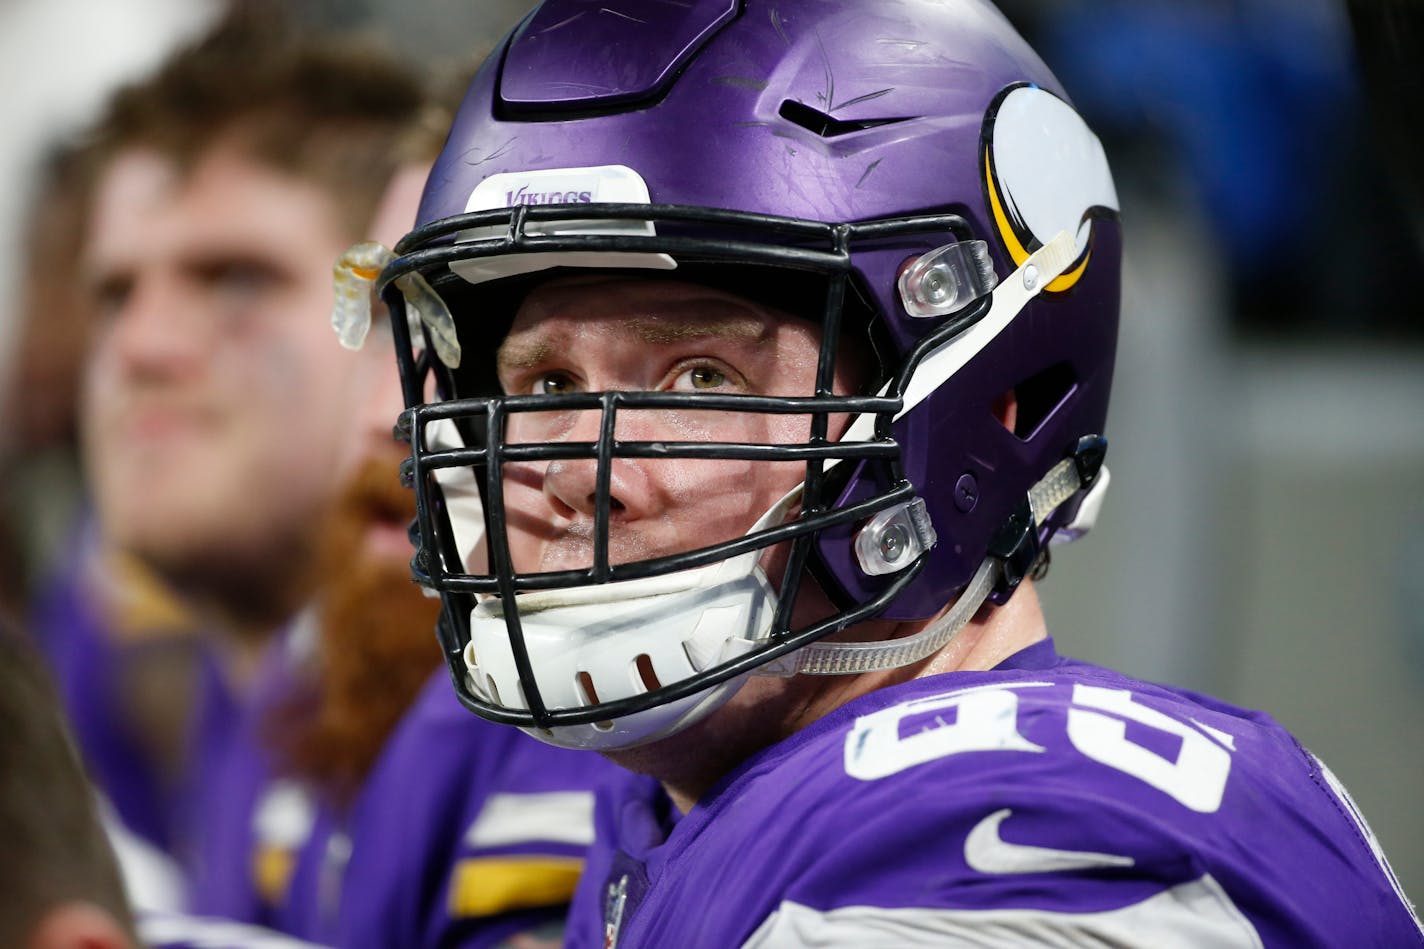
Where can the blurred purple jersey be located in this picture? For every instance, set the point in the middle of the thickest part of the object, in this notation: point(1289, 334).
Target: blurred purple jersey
point(243, 824)
point(77, 632)
point(1047, 801)
point(465, 833)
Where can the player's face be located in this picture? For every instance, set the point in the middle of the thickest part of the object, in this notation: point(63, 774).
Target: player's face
point(612, 333)
point(215, 404)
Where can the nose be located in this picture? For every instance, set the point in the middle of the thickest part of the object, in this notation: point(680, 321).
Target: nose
point(152, 335)
point(571, 484)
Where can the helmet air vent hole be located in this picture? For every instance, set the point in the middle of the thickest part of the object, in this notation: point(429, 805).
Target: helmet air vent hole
point(647, 673)
point(828, 126)
point(1025, 408)
point(493, 690)
point(585, 687)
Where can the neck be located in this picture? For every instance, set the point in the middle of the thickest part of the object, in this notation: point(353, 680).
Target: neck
point(995, 634)
point(767, 710)
point(239, 649)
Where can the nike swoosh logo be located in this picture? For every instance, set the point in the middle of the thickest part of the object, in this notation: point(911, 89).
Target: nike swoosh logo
point(987, 852)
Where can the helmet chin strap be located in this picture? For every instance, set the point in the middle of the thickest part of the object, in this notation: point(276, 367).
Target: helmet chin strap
point(829, 658)
point(586, 643)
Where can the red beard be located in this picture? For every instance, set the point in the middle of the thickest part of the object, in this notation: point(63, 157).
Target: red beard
point(376, 643)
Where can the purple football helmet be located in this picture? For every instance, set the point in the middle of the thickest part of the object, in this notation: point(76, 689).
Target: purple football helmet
point(908, 174)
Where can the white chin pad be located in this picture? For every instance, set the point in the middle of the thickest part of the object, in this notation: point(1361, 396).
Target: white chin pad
point(617, 640)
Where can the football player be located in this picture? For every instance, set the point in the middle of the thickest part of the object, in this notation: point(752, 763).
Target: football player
point(772, 345)
point(216, 412)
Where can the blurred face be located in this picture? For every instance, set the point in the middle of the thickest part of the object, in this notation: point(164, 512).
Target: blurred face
point(373, 493)
point(215, 403)
point(600, 333)
point(376, 645)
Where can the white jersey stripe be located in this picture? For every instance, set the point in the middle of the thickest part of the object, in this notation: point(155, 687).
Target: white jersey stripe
point(1187, 916)
point(1368, 833)
point(161, 930)
point(564, 817)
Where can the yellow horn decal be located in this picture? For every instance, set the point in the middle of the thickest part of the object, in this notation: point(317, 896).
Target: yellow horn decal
point(1015, 247)
point(1069, 277)
point(1006, 229)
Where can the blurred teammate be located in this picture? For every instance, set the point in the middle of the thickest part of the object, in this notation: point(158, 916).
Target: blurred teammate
point(216, 413)
point(121, 647)
point(777, 340)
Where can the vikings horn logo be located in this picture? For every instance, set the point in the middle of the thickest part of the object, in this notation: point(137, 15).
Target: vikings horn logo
point(1044, 172)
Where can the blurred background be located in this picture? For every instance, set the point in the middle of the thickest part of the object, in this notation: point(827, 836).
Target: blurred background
point(1264, 541)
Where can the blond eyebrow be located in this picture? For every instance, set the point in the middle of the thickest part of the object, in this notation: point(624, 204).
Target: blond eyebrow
point(516, 356)
point(733, 325)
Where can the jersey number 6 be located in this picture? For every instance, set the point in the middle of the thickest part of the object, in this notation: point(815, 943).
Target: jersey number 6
point(986, 719)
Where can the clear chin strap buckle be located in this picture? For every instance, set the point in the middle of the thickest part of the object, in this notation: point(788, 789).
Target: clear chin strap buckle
point(947, 279)
point(891, 540)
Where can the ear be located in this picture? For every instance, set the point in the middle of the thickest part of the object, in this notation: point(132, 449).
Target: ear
point(79, 926)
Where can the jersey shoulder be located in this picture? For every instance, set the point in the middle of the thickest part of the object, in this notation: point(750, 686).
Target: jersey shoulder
point(465, 829)
point(1071, 791)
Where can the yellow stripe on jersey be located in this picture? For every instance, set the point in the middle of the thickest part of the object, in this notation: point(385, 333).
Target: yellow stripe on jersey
point(486, 886)
point(272, 869)
point(143, 607)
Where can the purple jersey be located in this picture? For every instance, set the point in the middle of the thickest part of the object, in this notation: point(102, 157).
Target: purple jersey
point(245, 827)
point(71, 626)
point(1044, 802)
point(465, 833)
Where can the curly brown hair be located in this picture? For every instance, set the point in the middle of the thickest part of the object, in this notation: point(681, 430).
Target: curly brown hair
point(330, 111)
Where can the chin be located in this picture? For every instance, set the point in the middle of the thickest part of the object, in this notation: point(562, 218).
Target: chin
point(753, 718)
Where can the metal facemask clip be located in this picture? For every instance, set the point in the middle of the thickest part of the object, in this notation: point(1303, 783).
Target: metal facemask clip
point(947, 279)
point(891, 540)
